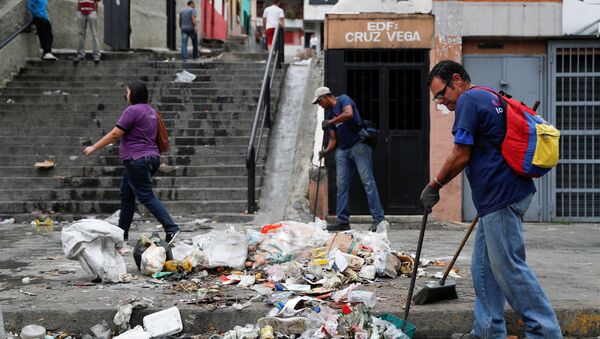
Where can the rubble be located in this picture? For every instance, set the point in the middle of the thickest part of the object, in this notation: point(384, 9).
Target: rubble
point(33, 332)
point(314, 281)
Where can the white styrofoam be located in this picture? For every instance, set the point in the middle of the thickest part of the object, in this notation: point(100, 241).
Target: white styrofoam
point(135, 333)
point(164, 322)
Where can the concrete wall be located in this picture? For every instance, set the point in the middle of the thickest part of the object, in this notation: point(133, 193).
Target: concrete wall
point(527, 19)
point(148, 24)
point(14, 14)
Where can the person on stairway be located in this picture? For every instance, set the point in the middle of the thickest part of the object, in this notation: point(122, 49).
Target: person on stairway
point(137, 128)
point(87, 15)
point(272, 16)
point(44, 28)
point(189, 29)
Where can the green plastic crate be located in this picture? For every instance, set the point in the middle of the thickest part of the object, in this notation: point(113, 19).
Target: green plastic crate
point(409, 330)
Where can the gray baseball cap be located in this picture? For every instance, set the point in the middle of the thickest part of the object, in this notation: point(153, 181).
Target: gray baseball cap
point(319, 92)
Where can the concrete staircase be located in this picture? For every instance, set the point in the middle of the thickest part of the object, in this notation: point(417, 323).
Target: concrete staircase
point(53, 110)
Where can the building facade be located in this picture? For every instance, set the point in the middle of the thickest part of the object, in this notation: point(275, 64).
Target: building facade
point(535, 50)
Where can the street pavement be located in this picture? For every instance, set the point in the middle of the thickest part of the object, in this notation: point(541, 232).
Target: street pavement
point(60, 297)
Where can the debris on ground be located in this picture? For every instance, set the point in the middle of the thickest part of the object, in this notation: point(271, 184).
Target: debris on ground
point(317, 284)
point(93, 243)
point(44, 165)
point(163, 323)
point(33, 332)
point(185, 76)
point(7, 221)
point(126, 307)
point(56, 92)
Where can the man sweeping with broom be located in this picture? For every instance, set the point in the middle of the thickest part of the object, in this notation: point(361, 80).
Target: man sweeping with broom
point(501, 197)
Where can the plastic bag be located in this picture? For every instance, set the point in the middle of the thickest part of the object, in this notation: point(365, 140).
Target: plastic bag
point(181, 250)
point(223, 248)
point(153, 259)
point(93, 243)
point(185, 76)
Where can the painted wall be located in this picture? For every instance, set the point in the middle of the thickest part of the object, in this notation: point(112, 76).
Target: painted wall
point(214, 23)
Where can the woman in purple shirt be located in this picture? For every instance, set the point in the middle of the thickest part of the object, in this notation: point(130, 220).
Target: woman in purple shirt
point(137, 128)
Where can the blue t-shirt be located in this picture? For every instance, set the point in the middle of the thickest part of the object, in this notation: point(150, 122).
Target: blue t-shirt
point(346, 136)
point(37, 8)
point(480, 121)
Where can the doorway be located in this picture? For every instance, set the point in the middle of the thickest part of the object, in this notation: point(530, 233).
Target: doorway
point(389, 89)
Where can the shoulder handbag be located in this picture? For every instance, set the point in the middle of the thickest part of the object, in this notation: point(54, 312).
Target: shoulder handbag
point(162, 135)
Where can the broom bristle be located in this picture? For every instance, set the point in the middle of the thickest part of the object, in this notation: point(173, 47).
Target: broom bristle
point(433, 292)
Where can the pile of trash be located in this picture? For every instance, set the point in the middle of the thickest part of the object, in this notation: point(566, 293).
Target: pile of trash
point(311, 278)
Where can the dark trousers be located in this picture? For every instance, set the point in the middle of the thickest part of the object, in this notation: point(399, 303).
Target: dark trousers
point(137, 184)
point(44, 31)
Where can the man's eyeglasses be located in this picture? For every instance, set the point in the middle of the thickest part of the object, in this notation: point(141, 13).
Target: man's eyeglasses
point(440, 95)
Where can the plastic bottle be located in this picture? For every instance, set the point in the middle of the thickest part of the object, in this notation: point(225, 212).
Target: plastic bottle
point(267, 332)
point(367, 298)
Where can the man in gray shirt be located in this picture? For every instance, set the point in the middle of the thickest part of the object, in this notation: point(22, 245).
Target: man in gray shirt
point(189, 29)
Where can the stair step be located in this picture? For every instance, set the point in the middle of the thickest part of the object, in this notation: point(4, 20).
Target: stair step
point(87, 141)
point(92, 171)
point(114, 160)
point(47, 151)
point(95, 133)
point(181, 207)
point(232, 217)
point(115, 182)
point(107, 194)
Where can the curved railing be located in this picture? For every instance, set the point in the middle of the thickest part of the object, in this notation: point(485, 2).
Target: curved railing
point(262, 118)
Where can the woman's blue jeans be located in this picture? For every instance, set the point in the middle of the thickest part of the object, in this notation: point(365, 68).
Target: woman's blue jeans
point(346, 161)
point(137, 183)
point(500, 273)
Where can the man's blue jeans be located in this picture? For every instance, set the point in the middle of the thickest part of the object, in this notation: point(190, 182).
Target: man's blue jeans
point(346, 160)
point(184, 44)
point(500, 273)
point(137, 183)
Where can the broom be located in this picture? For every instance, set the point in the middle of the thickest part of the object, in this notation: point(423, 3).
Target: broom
point(444, 289)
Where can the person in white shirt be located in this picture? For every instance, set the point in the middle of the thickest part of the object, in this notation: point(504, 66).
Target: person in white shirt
point(272, 16)
point(313, 42)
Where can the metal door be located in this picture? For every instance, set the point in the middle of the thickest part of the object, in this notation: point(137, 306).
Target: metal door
point(389, 89)
point(575, 101)
point(117, 27)
point(522, 77)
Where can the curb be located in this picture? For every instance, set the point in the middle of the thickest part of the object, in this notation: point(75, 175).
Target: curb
point(435, 322)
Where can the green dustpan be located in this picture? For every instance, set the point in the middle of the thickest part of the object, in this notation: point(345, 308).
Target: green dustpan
point(409, 329)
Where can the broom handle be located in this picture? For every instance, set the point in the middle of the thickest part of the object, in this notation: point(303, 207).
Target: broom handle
point(318, 180)
point(413, 277)
point(460, 247)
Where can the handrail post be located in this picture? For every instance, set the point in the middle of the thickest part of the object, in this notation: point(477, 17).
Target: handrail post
point(251, 166)
point(280, 46)
point(268, 103)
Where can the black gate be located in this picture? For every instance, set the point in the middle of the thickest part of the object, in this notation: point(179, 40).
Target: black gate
point(389, 89)
point(116, 24)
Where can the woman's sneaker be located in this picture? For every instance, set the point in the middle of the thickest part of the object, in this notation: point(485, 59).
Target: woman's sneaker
point(171, 236)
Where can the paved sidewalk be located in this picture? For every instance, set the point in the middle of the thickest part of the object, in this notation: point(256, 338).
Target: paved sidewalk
point(563, 256)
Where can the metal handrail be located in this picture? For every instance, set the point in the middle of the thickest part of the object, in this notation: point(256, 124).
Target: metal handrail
point(263, 112)
point(15, 34)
